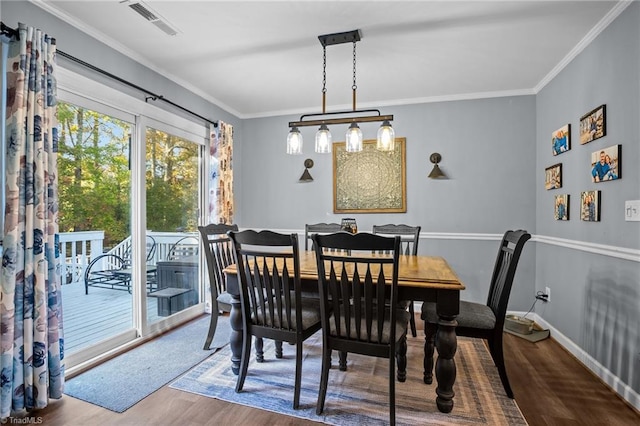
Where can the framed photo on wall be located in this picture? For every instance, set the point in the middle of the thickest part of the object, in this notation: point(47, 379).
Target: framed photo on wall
point(561, 207)
point(590, 206)
point(553, 177)
point(606, 164)
point(561, 140)
point(593, 125)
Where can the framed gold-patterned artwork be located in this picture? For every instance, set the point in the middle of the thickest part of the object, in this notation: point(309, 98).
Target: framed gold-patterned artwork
point(369, 181)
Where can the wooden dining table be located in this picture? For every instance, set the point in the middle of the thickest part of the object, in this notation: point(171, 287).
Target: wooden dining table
point(422, 278)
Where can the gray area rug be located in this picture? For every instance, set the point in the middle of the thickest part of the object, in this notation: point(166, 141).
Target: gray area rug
point(360, 396)
point(123, 381)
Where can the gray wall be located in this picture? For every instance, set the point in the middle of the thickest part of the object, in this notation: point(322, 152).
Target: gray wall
point(595, 298)
point(487, 147)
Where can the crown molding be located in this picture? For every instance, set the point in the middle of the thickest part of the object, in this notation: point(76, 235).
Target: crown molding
point(586, 40)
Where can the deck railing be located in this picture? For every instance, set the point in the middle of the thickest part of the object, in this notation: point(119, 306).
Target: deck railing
point(78, 248)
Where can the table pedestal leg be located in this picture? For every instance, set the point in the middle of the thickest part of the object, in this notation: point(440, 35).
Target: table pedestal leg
point(235, 339)
point(446, 344)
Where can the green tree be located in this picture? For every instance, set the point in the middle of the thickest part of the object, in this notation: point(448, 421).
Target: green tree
point(93, 170)
point(95, 178)
point(172, 182)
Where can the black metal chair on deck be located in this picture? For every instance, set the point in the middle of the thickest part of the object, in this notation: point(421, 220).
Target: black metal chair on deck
point(409, 238)
point(111, 271)
point(484, 321)
point(184, 247)
point(219, 253)
point(270, 295)
point(358, 295)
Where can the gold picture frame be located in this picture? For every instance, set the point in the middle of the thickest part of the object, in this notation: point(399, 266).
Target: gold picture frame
point(369, 181)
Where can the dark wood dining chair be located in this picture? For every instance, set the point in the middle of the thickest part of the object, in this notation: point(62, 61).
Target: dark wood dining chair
point(409, 239)
point(271, 299)
point(484, 321)
point(319, 228)
point(358, 295)
point(219, 253)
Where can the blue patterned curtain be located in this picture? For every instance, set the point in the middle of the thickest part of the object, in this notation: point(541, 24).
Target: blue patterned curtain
point(31, 337)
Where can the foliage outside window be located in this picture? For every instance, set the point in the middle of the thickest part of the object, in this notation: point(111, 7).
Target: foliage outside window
point(95, 178)
point(93, 173)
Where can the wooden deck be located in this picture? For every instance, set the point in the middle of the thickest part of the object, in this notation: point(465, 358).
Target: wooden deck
point(103, 313)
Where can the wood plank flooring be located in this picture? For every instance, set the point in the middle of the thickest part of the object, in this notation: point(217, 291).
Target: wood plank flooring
point(101, 314)
point(550, 385)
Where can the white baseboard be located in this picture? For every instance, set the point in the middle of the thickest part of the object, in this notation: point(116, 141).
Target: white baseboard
point(588, 361)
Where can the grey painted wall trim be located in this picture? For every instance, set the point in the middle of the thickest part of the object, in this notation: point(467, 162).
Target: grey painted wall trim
point(602, 249)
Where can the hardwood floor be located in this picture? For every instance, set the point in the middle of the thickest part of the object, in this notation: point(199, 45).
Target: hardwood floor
point(550, 385)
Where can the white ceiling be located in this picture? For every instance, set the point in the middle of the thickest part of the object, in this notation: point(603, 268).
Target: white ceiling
point(263, 58)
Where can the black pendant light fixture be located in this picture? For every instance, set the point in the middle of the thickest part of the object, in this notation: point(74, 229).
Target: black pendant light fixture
point(353, 138)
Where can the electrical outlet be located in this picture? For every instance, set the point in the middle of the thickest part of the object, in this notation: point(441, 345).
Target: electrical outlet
point(547, 291)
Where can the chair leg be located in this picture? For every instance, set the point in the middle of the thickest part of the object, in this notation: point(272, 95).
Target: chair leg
point(259, 350)
point(498, 360)
point(342, 363)
point(401, 358)
point(412, 319)
point(324, 379)
point(392, 389)
point(429, 344)
point(296, 389)
point(244, 360)
point(212, 326)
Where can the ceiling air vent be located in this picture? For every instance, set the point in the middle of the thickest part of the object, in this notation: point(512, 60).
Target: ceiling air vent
point(151, 16)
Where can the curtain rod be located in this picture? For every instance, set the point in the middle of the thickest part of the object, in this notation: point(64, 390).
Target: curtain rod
point(152, 96)
point(14, 32)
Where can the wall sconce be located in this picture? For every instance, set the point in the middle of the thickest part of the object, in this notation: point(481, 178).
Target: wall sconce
point(306, 176)
point(436, 173)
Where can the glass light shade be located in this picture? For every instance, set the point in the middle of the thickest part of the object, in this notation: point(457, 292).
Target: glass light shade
point(354, 138)
point(323, 140)
point(386, 137)
point(294, 142)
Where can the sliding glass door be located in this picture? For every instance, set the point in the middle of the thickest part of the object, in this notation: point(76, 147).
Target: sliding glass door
point(95, 227)
point(172, 181)
point(131, 194)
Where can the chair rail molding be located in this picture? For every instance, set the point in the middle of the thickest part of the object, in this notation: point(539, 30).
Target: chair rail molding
point(595, 248)
point(601, 249)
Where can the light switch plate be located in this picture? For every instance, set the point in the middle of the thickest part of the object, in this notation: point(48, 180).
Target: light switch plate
point(632, 210)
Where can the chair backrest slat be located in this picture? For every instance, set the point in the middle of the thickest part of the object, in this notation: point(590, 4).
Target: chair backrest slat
point(319, 228)
point(218, 250)
point(504, 272)
point(410, 236)
point(269, 272)
point(358, 288)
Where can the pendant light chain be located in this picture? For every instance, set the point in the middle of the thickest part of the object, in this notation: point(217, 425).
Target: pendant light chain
point(354, 86)
point(324, 79)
